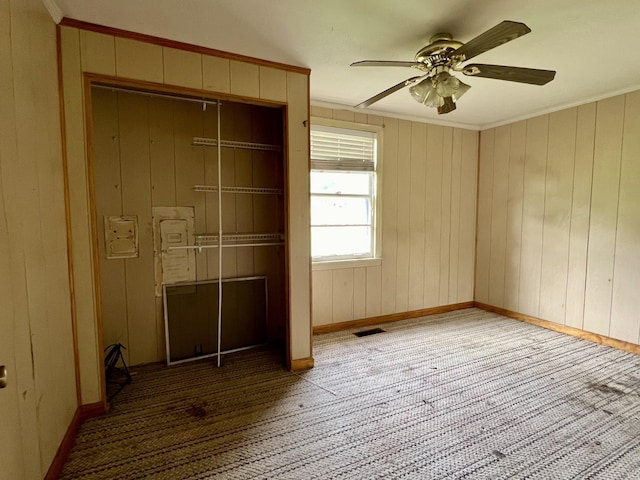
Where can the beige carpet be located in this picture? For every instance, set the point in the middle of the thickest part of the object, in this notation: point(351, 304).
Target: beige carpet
point(467, 394)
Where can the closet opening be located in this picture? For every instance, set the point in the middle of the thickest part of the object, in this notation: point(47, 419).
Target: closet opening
point(189, 220)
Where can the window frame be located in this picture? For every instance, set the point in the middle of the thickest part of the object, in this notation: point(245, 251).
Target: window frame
point(376, 203)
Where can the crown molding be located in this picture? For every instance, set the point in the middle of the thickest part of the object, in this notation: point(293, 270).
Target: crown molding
point(412, 118)
point(558, 108)
point(54, 10)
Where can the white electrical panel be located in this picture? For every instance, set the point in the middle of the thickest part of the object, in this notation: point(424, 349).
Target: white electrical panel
point(173, 230)
point(177, 264)
point(121, 236)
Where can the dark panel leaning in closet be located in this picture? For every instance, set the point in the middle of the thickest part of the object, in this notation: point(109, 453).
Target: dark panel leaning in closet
point(189, 201)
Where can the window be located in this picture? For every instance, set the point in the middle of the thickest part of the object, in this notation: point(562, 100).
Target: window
point(344, 185)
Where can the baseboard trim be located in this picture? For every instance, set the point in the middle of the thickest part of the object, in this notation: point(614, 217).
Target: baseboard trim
point(394, 317)
point(300, 364)
point(83, 412)
point(55, 469)
point(91, 410)
point(556, 327)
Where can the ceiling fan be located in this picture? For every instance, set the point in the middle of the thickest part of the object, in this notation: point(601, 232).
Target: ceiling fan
point(437, 87)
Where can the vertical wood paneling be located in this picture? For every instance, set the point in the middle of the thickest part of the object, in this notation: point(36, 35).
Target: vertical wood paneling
point(514, 215)
point(375, 120)
point(265, 206)
point(210, 130)
point(389, 215)
point(625, 320)
point(342, 285)
point(29, 322)
point(375, 280)
point(161, 351)
point(182, 68)
point(361, 117)
point(298, 214)
point(468, 200)
point(161, 148)
point(580, 215)
point(229, 113)
point(433, 216)
point(604, 210)
point(445, 215)
point(83, 278)
point(344, 115)
point(322, 297)
point(98, 53)
point(273, 84)
point(403, 222)
point(359, 292)
point(216, 75)
point(244, 210)
point(573, 221)
point(138, 60)
point(136, 197)
point(374, 291)
point(417, 214)
point(266, 170)
point(54, 378)
point(189, 168)
point(454, 199)
point(498, 235)
point(12, 434)
point(229, 216)
point(108, 195)
point(35, 317)
point(321, 112)
point(19, 397)
point(244, 78)
point(532, 214)
point(557, 214)
point(429, 183)
point(485, 182)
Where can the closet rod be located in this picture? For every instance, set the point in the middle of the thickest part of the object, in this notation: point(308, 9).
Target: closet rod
point(239, 237)
point(251, 190)
point(235, 245)
point(153, 94)
point(212, 142)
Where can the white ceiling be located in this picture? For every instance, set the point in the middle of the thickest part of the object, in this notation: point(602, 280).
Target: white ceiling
point(593, 45)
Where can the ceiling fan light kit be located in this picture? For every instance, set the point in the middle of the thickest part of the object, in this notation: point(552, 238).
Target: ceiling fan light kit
point(433, 90)
point(437, 87)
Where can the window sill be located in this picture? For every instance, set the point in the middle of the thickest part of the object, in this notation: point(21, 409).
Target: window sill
point(336, 264)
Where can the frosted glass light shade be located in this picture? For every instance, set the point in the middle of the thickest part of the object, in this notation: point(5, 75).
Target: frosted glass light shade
point(424, 92)
point(449, 86)
point(462, 89)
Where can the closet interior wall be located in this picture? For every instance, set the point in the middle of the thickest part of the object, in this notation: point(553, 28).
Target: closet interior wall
point(144, 158)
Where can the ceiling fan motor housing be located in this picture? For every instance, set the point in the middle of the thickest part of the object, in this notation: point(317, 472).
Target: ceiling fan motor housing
point(438, 51)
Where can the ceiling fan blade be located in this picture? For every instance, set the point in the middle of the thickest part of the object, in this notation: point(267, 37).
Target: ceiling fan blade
point(502, 33)
point(532, 76)
point(388, 91)
point(384, 63)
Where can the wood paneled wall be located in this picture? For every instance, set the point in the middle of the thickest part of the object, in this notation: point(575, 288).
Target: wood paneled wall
point(143, 158)
point(428, 225)
point(559, 217)
point(84, 51)
point(36, 337)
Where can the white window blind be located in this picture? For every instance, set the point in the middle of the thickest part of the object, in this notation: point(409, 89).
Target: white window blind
point(341, 149)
